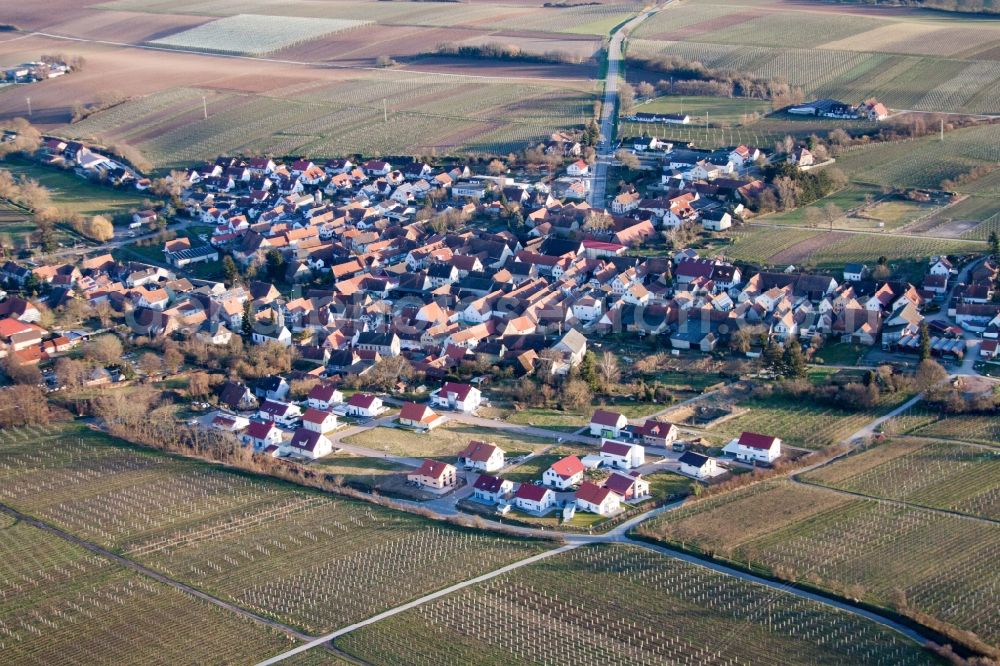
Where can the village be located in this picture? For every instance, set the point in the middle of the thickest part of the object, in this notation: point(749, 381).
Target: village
point(352, 267)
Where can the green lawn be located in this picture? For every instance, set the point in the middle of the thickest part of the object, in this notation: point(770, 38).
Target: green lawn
point(75, 194)
point(840, 353)
point(727, 110)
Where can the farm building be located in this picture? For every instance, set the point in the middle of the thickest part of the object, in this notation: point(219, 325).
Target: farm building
point(826, 108)
point(564, 473)
point(668, 118)
point(752, 447)
point(482, 456)
point(435, 476)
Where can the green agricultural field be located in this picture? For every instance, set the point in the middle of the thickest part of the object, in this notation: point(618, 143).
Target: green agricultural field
point(913, 559)
point(720, 110)
point(801, 422)
point(943, 475)
point(307, 559)
point(625, 604)
point(445, 441)
point(61, 604)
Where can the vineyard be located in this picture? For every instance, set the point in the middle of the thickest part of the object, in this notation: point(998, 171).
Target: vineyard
point(302, 557)
point(60, 604)
point(942, 475)
point(624, 606)
point(982, 429)
point(250, 34)
point(803, 423)
point(911, 558)
point(382, 113)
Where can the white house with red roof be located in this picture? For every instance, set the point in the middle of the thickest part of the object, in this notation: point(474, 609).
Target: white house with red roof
point(753, 447)
point(261, 435)
point(630, 487)
point(482, 456)
point(434, 476)
point(364, 405)
point(607, 424)
point(421, 417)
point(490, 489)
point(308, 444)
point(564, 473)
point(324, 396)
point(534, 499)
point(578, 169)
point(230, 422)
point(620, 455)
point(460, 397)
point(319, 420)
point(284, 413)
point(597, 499)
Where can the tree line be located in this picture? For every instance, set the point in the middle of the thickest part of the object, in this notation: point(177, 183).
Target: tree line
point(506, 52)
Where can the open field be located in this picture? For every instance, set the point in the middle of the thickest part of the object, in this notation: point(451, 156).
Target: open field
point(250, 34)
point(802, 423)
point(943, 475)
point(908, 59)
point(444, 441)
point(912, 559)
point(302, 557)
point(625, 605)
point(61, 604)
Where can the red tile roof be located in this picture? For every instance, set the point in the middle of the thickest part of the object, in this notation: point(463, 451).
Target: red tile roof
point(531, 492)
point(602, 417)
point(591, 492)
point(258, 430)
point(432, 468)
point(478, 451)
point(755, 441)
point(567, 467)
point(363, 400)
point(615, 448)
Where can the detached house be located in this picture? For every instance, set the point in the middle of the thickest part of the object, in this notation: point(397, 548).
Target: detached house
point(752, 447)
point(319, 420)
point(434, 476)
point(309, 444)
point(491, 489)
point(460, 397)
point(281, 412)
point(597, 499)
point(364, 405)
point(482, 456)
point(261, 435)
point(607, 424)
point(421, 417)
point(697, 465)
point(564, 473)
point(534, 499)
point(324, 396)
point(656, 433)
point(630, 487)
point(237, 397)
point(621, 455)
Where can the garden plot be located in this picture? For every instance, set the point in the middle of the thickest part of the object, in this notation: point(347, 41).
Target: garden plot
point(253, 34)
point(617, 605)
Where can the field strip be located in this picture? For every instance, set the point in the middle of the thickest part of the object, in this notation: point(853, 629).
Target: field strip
point(135, 566)
point(322, 65)
point(789, 589)
point(895, 502)
point(418, 602)
point(864, 232)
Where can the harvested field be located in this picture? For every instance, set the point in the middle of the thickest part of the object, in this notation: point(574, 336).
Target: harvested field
point(944, 475)
point(445, 441)
point(131, 27)
point(581, 608)
point(805, 249)
point(941, 564)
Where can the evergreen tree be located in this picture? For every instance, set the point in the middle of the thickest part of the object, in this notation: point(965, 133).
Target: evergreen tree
point(230, 270)
point(994, 244)
point(925, 342)
point(794, 360)
point(773, 358)
point(247, 320)
point(588, 370)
